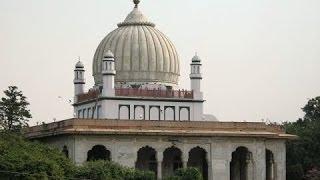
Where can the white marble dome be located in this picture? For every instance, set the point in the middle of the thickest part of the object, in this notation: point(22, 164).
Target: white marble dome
point(142, 53)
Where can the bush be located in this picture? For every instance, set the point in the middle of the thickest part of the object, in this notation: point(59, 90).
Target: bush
point(294, 172)
point(21, 159)
point(105, 170)
point(189, 173)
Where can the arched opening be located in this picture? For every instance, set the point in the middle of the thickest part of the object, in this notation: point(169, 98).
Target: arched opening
point(198, 159)
point(154, 113)
point(270, 171)
point(146, 160)
point(124, 112)
point(240, 164)
point(184, 114)
point(171, 161)
point(65, 151)
point(98, 152)
point(139, 113)
point(169, 114)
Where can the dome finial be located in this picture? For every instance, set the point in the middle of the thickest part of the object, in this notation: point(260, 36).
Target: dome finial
point(136, 2)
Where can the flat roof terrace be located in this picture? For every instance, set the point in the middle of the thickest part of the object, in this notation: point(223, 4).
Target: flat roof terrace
point(157, 128)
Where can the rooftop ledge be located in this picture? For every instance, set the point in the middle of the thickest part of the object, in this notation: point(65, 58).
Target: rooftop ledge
point(157, 128)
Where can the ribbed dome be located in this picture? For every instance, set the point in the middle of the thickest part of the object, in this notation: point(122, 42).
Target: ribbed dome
point(142, 53)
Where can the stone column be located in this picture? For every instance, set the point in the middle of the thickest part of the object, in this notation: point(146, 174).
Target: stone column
point(185, 157)
point(259, 162)
point(221, 157)
point(280, 161)
point(81, 149)
point(159, 164)
point(209, 162)
point(249, 173)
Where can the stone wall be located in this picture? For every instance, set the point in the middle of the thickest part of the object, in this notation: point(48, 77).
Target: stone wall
point(218, 152)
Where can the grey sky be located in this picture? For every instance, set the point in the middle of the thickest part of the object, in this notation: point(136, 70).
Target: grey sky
point(260, 57)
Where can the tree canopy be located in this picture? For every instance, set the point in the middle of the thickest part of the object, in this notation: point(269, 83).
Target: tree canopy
point(303, 154)
point(14, 112)
point(22, 159)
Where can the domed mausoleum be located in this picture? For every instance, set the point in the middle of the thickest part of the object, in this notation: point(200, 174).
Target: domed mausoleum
point(142, 53)
point(136, 116)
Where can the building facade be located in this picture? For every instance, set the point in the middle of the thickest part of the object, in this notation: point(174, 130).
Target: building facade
point(135, 115)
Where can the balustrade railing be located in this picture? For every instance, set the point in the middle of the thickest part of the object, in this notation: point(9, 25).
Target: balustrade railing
point(154, 93)
point(135, 92)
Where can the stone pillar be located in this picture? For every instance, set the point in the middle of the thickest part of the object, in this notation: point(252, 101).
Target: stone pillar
point(209, 162)
point(185, 157)
point(221, 157)
point(280, 161)
point(159, 170)
point(249, 173)
point(159, 164)
point(259, 162)
point(81, 149)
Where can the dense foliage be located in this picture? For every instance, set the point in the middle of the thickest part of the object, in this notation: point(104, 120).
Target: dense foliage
point(21, 159)
point(303, 154)
point(189, 173)
point(109, 170)
point(14, 113)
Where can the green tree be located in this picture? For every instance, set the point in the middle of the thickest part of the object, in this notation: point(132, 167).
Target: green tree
point(303, 154)
point(13, 110)
point(22, 159)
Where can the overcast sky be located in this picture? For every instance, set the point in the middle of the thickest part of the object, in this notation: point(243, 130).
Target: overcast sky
point(260, 57)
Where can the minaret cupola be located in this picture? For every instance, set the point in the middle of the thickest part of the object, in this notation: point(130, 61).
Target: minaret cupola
point(79, 81)
point(196, 76)
point(108, 73)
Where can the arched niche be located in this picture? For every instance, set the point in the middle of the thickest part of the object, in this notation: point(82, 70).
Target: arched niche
point(139, 112)
point(154, 113)
point(124, 112)
point(184, 114)
point(65, 151)
point(98, 152)
point(169, 113)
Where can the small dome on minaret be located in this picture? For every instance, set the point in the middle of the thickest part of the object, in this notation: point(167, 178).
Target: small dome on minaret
point(108, 54)
point(196, 58)
point(79, 65)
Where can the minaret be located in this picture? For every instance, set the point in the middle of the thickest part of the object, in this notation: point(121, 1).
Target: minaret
point(78, 81)
point(196, 77)
point(108, 73)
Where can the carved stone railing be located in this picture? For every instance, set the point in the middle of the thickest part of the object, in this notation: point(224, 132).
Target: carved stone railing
point(93, 94)
point(156, 93)
point(135, 92)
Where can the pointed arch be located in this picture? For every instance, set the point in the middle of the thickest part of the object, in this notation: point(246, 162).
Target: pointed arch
point(98, 152)
point(146, 159)
point(198, 159)
point(172, 160)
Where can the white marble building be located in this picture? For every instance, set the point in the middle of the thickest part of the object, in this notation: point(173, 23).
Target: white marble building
point(136, 115)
